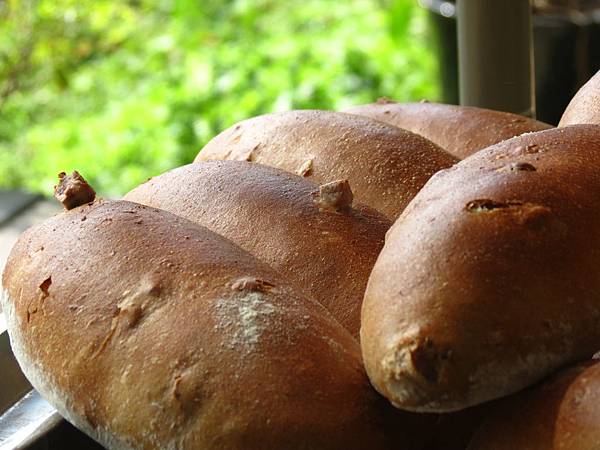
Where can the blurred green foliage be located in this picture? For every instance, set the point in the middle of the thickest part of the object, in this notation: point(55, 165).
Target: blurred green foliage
point(123, 90)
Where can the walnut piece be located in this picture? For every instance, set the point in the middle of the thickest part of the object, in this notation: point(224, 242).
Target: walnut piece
point(73, 191)
point(336, 195)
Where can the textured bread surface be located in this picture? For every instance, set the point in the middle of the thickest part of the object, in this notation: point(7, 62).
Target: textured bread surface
point(278, 217)
point(386, 166)
point(563, 413)
point(148, 331)
point(489, 280)
point(584, 107)
point(460, 130)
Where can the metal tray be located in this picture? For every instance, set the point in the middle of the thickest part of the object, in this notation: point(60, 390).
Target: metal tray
point(27, 421)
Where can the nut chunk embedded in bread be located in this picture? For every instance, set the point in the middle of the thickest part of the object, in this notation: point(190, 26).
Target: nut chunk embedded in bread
point(336, 195)
point(73, 191)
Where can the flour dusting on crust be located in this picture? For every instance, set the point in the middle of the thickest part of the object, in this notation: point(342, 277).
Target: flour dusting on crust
point(247, 316)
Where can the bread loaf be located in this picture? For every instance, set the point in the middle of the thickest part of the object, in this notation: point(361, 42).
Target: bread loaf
point(561, 414)
point(584, 107)
point(385, 166)
point(460, 130)
point(318, 239)
point(489, 280)
point(150, 332)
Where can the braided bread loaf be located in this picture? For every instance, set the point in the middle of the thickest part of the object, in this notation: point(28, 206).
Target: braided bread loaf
point(217, 306)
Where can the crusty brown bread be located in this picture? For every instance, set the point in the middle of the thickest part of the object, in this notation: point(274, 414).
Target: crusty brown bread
point(489, 280)
point(148, 331)
point(324, 244)
point(584, 107)
point(460, 130)
point(561, 414)
point(385, 166)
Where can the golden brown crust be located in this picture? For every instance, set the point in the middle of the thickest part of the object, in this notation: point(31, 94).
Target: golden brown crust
point(325, 247)
point(487, 282)
point(385, 166)
point(584, 107)
point(560, 414)
point(460, 130)
point(149, 331)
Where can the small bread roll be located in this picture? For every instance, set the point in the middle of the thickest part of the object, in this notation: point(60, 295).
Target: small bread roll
point(148, 331)
point(563, 413)
point(584, 107)
point(460, 130)
point(487, 282)
point(317, 237)
point(385, 166)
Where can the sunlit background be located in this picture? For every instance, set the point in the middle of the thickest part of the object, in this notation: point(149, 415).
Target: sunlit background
point(123, 90)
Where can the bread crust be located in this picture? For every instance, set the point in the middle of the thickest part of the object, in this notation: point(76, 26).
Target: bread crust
point(584, 107)
point(460, 130)
point(385, 166)
point(148, 331)
point(488, 281)
point(281, 219)
point(560, 414)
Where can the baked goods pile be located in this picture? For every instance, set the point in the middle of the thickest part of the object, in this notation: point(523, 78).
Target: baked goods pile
point(326, 280)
